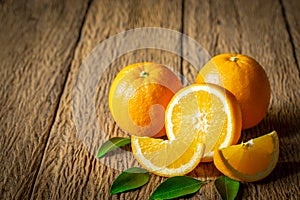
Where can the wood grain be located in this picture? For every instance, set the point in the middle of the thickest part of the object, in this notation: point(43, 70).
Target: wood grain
point(258, 29)
point(69, 169)
point(45, 46)
point(36, 52)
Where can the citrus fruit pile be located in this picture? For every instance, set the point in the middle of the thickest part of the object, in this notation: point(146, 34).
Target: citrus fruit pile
point(202, 121)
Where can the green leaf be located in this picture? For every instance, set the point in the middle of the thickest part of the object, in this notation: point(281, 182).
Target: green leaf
point(111, 144)
point(227, 188)
point(176, 186)
point(130, 179)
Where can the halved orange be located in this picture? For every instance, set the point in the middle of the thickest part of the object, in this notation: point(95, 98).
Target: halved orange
point(167, 157)
point(206, 111)
point(250, 161)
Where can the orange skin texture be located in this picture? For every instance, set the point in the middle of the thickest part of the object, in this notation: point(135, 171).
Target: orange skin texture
point(139, 96)
point(246, 79)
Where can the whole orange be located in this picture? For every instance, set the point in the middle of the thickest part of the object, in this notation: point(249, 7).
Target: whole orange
point(139, 95)
point(245, 78)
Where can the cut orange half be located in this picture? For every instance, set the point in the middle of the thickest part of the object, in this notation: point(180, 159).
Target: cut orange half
point(167, 157)
point(250, 161)
point(206, 111)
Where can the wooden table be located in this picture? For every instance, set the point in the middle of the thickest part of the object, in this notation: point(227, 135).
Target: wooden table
point(43, 45)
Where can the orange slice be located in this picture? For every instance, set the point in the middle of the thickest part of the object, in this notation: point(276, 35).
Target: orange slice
point(206, 111)
point(250, 161)
point(167, 157)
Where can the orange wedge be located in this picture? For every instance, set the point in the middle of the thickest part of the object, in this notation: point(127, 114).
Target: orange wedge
point(167, 157)
point(207, 112)
point(250, 161)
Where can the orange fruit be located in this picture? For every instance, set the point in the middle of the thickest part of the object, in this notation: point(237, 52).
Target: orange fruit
point(245, 78)
point(206, 111)
point(250, 161)
point(167, 157)
point(139, 95)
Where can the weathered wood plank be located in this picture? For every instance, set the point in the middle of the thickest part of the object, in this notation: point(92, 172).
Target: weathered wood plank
point(37, 41)
point(69, 169)
point(290, 11)
point(258, 29)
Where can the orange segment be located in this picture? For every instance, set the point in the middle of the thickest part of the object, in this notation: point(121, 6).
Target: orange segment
point(205, 111)
point(167, 157)
point(250, 161)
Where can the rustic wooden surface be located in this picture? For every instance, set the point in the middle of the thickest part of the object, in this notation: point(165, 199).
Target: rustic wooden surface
point(43, 45)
